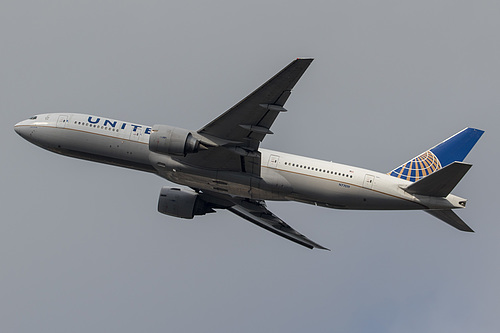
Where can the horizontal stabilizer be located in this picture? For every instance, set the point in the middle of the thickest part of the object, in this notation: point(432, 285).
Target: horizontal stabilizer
point(441, 182)
point(448, 216)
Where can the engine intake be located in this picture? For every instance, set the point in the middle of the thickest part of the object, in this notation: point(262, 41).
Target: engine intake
point(182, 203)
point(171, 140)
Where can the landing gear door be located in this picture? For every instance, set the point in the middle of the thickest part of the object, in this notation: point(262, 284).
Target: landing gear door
point(273, 161)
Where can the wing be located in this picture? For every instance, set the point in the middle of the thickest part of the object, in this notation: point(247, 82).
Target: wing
point(246, 124)
point(257, 213)
point(232, 139)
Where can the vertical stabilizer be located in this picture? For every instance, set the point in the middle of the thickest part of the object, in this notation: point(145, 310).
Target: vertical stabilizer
point(450, 150)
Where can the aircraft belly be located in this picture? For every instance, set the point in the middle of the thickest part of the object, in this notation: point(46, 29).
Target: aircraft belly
point(232, 183)
point(224, 183)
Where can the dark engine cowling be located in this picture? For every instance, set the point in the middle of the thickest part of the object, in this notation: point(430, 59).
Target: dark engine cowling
point(171, 140)
point(182, 203)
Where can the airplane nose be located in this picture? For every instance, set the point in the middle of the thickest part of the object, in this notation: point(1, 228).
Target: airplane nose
point(17, 128)
point(21, 129)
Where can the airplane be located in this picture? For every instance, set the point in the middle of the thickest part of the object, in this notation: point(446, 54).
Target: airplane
point(222, 167)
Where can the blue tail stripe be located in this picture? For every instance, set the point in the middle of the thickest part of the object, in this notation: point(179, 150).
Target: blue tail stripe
point(457, 147)
point(450, 150)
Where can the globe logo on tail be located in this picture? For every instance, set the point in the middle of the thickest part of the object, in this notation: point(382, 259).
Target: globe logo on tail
point(417, 168)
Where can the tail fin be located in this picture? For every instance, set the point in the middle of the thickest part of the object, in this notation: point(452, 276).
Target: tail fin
point(450, 150)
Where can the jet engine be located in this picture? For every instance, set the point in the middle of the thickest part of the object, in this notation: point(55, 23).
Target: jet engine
point(182, 203)
point(171, 140)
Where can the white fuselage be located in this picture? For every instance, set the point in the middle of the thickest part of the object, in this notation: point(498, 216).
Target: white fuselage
point(283, 176)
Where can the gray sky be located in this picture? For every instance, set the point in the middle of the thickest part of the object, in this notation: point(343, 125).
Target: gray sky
point(82, 248)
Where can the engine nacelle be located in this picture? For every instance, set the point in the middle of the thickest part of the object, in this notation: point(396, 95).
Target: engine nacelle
point(171, 140)
point(182, 203)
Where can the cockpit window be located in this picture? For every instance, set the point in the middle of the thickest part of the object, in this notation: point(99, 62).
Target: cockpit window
point(33, 118)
